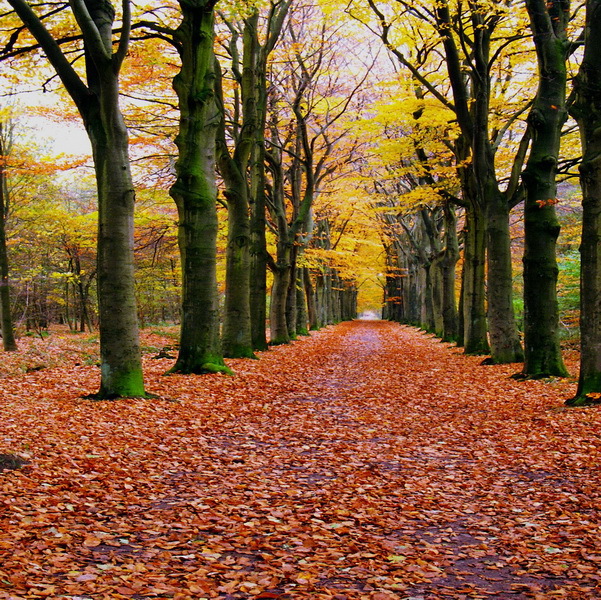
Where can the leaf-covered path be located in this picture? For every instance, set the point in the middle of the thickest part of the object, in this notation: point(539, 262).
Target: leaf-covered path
point(368, 461)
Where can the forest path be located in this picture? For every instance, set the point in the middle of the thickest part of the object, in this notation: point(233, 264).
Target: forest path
point(367, 461)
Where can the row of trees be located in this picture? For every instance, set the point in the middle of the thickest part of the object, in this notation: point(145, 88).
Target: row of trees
point(502, 137)
point(272, 137)
point(285, 116)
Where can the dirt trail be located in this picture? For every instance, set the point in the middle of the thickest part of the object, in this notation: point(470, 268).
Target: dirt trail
point(368, 461)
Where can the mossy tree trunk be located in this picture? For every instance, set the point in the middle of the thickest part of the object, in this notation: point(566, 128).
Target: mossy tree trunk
point(98, 105)
point(541, 226)
point(587, 112)
point(121, 369)
point(195, 192)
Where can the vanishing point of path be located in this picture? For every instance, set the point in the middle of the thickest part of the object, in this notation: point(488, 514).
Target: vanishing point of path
point(368, 461)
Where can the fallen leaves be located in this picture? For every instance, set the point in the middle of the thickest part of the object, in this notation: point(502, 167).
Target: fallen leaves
point(368, 461)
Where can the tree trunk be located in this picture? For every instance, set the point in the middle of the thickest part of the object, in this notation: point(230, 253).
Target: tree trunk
point(428, 321)
point(195, 193)
point(236, 335)
point(291, 307)
point(587, 112)
point(450, 325)
point(120, 355)
point(436, 275)
point(258, 248)
point(541, 226)
point(120, 364)
point(302, 315)
point(505, 345)
point(310, 295)
point(258, 222)
point(589, 382)
point(8, 334)
point(278, 324)
point(474, 313)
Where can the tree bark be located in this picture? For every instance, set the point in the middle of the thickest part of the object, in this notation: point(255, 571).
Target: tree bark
point(474, 312)
point(236, 333)
point(302, 310)
point(291, 307)
point(121, 370)
point(310, 294)
point(278, 324)
point(505, 345)
point(450, 325)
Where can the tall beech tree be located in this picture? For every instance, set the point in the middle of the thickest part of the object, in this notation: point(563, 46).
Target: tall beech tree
point(233, 167)
point(549, 20)
point(586, 109)
point(195, 191)
point(264, 43)
point(97, 101)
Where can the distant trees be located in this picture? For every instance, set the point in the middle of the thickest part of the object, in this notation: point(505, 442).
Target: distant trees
point(473, 40)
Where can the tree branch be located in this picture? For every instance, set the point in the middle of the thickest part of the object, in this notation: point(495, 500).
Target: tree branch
point(71, 80)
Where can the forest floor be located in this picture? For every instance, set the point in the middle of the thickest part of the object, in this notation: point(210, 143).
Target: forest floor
point(367, 461)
